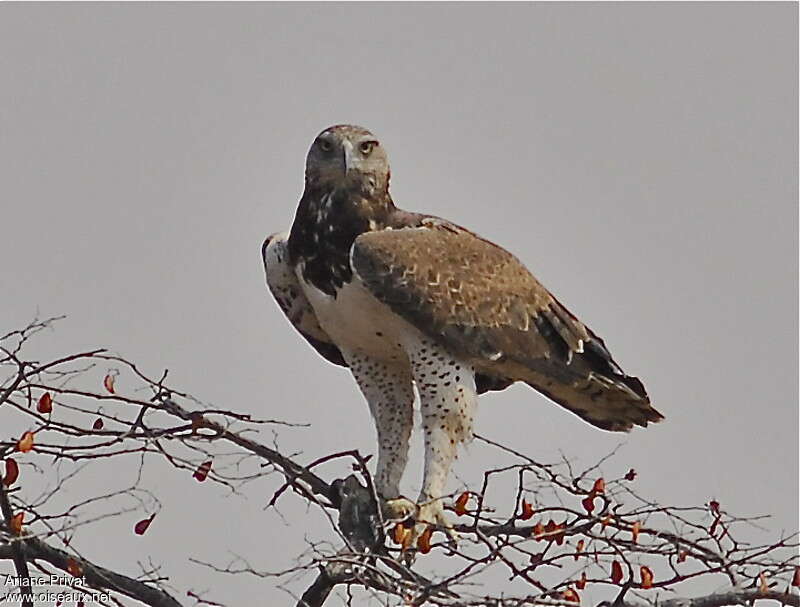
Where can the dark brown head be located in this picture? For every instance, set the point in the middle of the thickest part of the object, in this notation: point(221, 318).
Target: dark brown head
point(347, 157)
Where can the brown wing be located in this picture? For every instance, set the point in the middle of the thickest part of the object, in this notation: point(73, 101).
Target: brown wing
point(478, 300)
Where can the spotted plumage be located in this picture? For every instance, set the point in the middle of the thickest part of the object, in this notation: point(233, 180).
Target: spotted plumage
point(404, 298)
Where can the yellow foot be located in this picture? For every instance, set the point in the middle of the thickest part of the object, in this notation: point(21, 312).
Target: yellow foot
point(432, 513)
point(426, 517)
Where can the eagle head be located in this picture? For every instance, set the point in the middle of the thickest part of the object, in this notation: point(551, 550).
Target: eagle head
point(347, 157)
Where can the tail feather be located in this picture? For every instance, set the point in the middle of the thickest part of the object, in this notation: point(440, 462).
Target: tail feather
point(615, 403)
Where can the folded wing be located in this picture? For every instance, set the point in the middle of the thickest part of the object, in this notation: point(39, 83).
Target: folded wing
point(480, 302)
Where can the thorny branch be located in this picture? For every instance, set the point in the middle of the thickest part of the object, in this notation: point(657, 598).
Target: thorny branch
point(567, 533)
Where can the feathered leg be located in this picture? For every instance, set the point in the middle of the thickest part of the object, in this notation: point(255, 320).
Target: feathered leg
point(448, 401)
point(390, 394)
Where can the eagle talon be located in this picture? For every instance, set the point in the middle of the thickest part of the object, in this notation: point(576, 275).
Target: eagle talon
point(399, 509)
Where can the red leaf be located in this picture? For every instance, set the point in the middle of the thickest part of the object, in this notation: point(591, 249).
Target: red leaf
point(141, 526)
point(45, 404)
point(25, 443)
point(406, 543)
point(581, 583)
point(588, 503)
point(561, 528)
point(98, 424)
point(202, 471)
point(538, 531)
point(12, 472)
point(108, 383)
point(570, 595)
point(714, 505)
point(424, 540)
point(461, 504)
point(647, 577)
point(74, 568)
point(527, 511)
point(630, 475)
point(796, 577)
point(616, 572)
point(15, 524)
point(682, 556)
point(399, 533)
point(635, 531)
point(599, 486)
point(197, 420)
point(579, 549)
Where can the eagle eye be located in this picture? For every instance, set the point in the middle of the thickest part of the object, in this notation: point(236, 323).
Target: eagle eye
point(366, 147)
point(325, 145)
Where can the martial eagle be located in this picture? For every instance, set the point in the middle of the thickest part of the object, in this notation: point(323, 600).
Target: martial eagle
point(406, 299)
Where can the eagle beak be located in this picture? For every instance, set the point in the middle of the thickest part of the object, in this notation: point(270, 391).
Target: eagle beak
point(349, 159)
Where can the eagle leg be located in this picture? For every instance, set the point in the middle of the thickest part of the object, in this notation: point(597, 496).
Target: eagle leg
point(389, 392)
point(448, 401)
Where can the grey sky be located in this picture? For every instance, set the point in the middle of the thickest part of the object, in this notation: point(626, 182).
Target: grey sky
point(639, 158)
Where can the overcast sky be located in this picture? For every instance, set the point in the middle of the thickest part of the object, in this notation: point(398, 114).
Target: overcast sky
point(640, 159)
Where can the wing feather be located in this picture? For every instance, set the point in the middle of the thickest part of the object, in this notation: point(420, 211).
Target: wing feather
point(478, 300)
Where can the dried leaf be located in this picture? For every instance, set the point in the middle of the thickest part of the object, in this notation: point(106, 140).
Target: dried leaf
point(202, 471)
point(406, 544)
point(25, 443)
point(581, 583)
point(527, 511)
point(561, 533)
point(12, 472)
point(461, 504)
point(538, 531)
point(140, 527)
point(45, 404)
point(399, 533)
point(588, 503)
point(74, 568)
point(630, 475)
point(424, 540)
point(635, 531)
point(796, 577)
point(606, 521)
point(197, 421)
point(579, 548)
point(98, 424)
point(599, 486)
point(714, 505)
point(108, 383)
point(682, 556)
point(570, 595)
point(15, 524)
point(647, 577)
point(616, 572)
point(763, 587)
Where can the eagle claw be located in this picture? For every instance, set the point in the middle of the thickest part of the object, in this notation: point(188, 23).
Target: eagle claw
point(426, 514)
